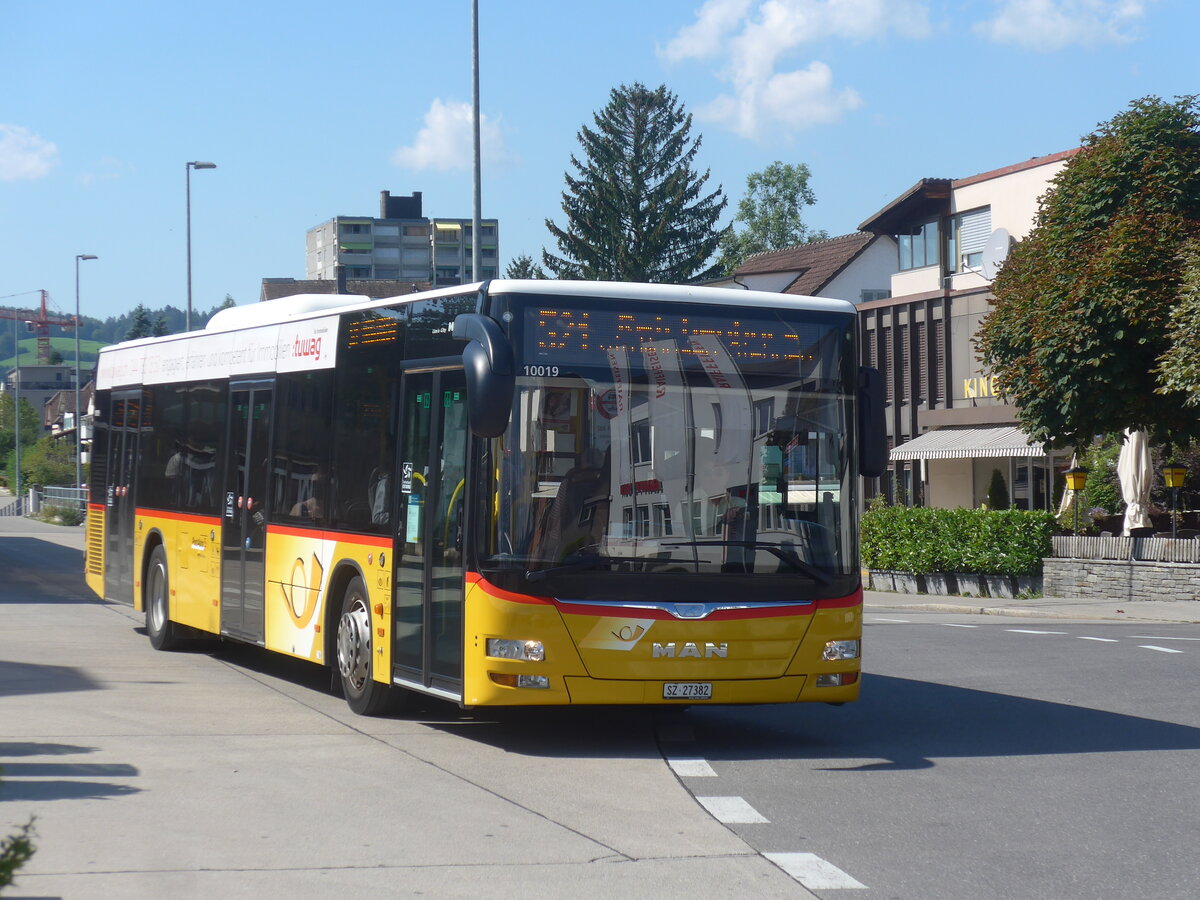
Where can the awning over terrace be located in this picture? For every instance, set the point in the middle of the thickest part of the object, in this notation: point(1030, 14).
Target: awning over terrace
point(969, 443)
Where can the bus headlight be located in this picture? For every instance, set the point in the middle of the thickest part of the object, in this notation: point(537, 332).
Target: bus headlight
point(840, 650)
point(527, 651)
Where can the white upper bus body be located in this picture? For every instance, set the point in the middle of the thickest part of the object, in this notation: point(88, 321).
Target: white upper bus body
point(299, 333)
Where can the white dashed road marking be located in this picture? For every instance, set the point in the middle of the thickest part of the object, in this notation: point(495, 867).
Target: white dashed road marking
point(956, 625)
point(882, 619)
point(1032, 631)
point(732, 810)
point(813, 872)
point(1159, 637)
point(1159, 649)
point(691, 767)
point(1105, 640)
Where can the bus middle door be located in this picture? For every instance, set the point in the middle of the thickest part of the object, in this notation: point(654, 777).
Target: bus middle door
point(119, 495)
point(429, 566)
point(244, 502)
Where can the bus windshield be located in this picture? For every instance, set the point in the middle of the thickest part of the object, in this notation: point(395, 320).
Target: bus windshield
point(689, 442)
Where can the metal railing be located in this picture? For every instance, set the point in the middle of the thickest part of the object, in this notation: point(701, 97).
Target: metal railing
point(51, 495)
point(39, 497)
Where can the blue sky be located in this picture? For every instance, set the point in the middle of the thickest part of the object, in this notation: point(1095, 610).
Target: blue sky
point(309, 110)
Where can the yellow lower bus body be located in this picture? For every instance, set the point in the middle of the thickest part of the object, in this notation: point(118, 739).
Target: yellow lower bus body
point(611, 654)
point(593, 654)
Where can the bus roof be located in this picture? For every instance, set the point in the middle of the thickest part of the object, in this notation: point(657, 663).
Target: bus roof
point(241, 338)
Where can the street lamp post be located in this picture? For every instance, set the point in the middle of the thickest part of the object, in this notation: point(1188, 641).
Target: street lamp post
point(477, 208)
point(79, 257)
point(1173, 475)
point(1076, 481)
point(189, 167)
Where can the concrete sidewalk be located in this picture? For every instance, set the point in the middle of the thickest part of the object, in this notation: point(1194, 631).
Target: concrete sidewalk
point(1104, 607)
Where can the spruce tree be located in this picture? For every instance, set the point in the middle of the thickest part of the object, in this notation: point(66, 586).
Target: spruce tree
point(140, 325)
point(636, 209)
point(524, 267)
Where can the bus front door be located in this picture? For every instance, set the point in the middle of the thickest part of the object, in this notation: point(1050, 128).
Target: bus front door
point(247, 464)
point(123, 433)
point(429, 538)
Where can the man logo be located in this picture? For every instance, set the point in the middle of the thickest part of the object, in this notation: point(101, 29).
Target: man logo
point(690, 650)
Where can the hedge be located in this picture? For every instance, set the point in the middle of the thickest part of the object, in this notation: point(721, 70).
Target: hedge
point(923, 540)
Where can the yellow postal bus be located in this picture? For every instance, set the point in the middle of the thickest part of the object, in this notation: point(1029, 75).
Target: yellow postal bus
point(512, 493)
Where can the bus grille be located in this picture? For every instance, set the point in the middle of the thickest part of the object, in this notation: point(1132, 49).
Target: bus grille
point(95, 542)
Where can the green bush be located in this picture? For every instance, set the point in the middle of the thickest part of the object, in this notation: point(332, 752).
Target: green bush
point(62, 515)
point(924, 540)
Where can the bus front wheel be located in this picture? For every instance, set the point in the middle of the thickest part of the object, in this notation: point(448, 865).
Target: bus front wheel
point(163, 633)
point(364, 695)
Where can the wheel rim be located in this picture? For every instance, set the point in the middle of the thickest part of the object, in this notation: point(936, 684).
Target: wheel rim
point(354, 645)
point(158, 600)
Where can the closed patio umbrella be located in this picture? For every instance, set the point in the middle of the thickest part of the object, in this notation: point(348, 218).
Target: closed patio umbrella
point(1134, 472)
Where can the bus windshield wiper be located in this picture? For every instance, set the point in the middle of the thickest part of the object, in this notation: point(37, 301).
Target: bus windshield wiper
point(781, 551)
point(573, 563)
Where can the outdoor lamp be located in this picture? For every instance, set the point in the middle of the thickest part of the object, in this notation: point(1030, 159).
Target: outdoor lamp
point(1076, 480)
point(1173, 475)
point(1076, 477)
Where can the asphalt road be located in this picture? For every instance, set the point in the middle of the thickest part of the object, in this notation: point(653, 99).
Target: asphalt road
point(989, 757)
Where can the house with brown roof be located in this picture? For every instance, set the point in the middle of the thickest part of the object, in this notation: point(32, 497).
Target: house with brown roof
point(854, 267)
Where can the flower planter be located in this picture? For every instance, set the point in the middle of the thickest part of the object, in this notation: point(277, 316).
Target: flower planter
point(882, 580)
point(940, 583)
point(1029, 585)
point(1003, 586)
point(908, 583)
point(971, 584)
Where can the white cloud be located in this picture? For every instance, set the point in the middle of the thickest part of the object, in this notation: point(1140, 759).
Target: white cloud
point(714, 20)
point(1048, 25)
point(797, 99)
point(446, 140)
point(754, 40)
point(24, 156)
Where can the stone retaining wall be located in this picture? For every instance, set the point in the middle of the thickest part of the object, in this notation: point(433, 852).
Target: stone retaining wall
point(1121, 579)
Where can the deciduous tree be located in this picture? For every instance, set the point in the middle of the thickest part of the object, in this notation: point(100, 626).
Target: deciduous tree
point(1179, 368)
point(636, 209)
point(1080, 322)
point(772, 212)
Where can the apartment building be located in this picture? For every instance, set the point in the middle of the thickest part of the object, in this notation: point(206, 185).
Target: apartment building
point(948, 426)
point(401, 245)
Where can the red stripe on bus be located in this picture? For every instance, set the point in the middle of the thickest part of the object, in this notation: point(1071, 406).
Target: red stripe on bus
point(720, 615)
point(190, 518)
point(501, 594)
point(365, 540)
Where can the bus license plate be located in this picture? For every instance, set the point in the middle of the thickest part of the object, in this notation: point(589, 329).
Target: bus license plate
point(687, 690)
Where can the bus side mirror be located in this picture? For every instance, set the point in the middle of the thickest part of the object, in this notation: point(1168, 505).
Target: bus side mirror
point(872, 424)
point(490, 373)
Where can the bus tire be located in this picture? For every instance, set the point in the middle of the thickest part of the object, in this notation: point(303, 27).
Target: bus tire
point(163, 633)
point(363, 694)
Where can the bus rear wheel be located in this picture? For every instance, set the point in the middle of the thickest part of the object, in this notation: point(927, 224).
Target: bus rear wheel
point(363, 694)
point(163, 633)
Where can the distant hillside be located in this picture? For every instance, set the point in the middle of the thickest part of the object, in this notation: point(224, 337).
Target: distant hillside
point(64, 346)
point(94, 334)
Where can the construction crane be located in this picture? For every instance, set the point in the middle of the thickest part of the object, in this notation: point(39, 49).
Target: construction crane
point(41, 320)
